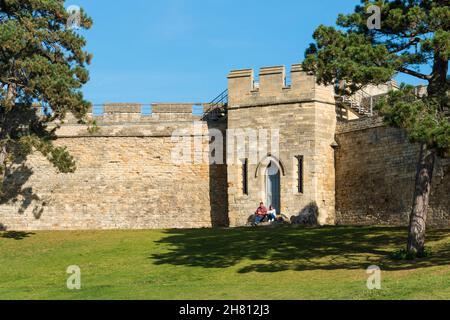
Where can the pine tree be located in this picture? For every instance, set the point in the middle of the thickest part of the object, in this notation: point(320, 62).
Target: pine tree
point(414, 36)
point(42, 65)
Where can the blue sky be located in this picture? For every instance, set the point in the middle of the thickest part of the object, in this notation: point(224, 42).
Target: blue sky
point(181, 50)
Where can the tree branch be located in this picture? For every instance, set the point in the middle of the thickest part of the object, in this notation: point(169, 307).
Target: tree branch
point(405, 46)
point(414, 73)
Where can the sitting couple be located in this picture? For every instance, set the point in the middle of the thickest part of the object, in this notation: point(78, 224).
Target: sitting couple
point(262, 213)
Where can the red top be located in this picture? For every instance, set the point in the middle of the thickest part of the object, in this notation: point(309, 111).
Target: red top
point(261, 211)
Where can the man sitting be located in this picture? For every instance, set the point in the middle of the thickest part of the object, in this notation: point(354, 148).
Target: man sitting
point(260, 213)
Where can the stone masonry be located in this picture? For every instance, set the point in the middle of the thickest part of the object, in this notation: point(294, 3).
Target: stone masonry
point(304, 113)
point(125, 177)
point(346, 170)
point(375, 174)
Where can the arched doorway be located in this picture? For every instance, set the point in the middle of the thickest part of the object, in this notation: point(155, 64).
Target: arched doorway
point(273, 182)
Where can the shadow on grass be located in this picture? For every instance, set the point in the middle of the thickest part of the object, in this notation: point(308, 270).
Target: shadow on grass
point(16, 235)
point(287, 248)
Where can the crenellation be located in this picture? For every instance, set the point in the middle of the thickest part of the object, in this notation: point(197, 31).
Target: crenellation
point(302, 114)
point(272, 81)
point(272, 87)
point(301, 81)
point(174, 108)
point(240, 84)
point(353, 172)
point(132, 113)
point(119, 108)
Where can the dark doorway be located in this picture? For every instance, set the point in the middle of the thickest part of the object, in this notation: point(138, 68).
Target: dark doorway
point(273, 182)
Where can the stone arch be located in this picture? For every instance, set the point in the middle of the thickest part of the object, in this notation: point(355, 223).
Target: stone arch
point(269, 185)
point(263, 164)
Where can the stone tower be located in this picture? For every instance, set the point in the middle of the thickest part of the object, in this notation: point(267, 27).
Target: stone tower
point(296, 170)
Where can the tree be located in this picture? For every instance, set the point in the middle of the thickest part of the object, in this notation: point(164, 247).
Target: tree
point(42, 64)
point(414, 36)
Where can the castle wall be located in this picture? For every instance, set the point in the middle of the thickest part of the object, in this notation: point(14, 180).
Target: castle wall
point(305, 117)
point(125, 178)
point(357, 172)
point(375, 175)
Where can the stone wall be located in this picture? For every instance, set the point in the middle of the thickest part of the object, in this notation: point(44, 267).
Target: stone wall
point(125, 178)
point(375, 175)
point(304, 115)
point(356, 172)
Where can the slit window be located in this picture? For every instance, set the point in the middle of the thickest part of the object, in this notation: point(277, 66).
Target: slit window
point(245, 176)
point(300, 176)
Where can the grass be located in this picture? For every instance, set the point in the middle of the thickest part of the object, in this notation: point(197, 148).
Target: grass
point(282, 263)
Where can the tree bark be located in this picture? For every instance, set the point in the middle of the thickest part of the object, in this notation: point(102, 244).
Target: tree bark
point(437, 87)
point(3, 167)
point(418, 218)
point(11, 94)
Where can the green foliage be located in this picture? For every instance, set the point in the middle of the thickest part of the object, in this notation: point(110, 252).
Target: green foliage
point(63, 160)
point(420, 117)
point(58, 156)
point(42, 63)
point(413, 34)
point(405, 255)
point(348, 57)
point(93, 128)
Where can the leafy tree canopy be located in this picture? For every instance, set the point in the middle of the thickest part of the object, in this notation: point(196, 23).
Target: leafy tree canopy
point(413, 33)
point(42, 63)
point(414, 36)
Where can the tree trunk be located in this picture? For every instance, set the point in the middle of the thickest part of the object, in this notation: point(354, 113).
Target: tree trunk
point(3, 166)
point(437, 87)
point(418, 219)
point(11, 94)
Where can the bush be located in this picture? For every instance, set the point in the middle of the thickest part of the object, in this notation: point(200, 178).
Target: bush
point(403, 254)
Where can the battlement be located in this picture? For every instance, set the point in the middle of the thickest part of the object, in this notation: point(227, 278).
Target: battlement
point(273, 87)
point(111, 113)
point(119, 108)
point(135, 120)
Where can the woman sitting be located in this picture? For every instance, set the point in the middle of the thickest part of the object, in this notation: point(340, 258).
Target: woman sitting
point(272, 214)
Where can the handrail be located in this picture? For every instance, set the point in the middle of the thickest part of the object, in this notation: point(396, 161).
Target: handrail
point(357, 104)
point(216, 106)
point(220, 97)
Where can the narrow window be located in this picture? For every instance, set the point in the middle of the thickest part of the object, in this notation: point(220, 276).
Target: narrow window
point(300, 176)
point(245, 176)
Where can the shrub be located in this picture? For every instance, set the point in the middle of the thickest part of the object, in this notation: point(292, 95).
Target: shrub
point(403, 254)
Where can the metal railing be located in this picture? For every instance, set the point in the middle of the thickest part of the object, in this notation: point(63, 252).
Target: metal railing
point(362, 102)
point(217, 107)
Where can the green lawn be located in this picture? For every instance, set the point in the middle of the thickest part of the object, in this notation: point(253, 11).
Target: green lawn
point(274, 263)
